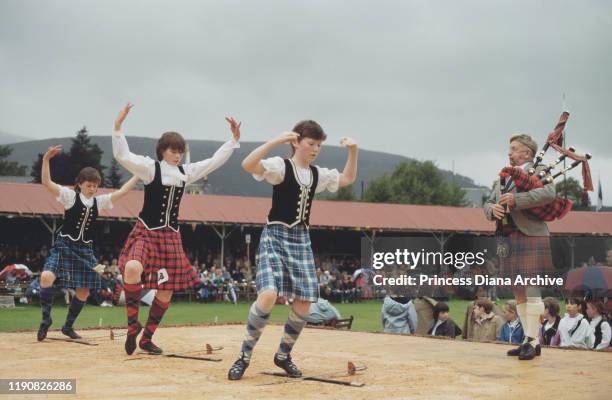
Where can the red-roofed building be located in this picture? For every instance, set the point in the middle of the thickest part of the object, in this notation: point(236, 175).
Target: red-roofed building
point(33, 200)
point(333, 222)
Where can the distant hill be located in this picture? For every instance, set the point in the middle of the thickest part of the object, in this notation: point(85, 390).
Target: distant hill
point(6, 138)
point(231, 179)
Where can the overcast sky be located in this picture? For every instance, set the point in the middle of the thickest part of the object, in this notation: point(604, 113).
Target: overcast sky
point(440, 80)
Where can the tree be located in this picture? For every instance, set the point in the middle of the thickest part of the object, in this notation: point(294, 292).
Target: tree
point(379, 190)
point(113, 180)
point(10, 168)
point(84, 154)
point(343, 194)
point(61, 169)
point(415, 183)
point(66, 166)
point(570, 188)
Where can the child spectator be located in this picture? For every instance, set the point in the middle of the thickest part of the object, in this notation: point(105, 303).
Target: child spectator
point(322, 312)
point(574, 330)
point(469, 319)
point(549, 331)
point(487, 324)
point(599, 324)
point(512, 329)
point(443, 325)
point(398, 315)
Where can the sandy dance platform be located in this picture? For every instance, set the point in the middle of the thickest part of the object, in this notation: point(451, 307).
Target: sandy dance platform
point(399, 367)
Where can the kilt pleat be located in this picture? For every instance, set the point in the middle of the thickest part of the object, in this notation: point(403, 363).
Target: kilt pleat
point(286, 263)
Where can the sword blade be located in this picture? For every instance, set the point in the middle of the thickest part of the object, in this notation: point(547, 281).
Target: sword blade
point(73, 341)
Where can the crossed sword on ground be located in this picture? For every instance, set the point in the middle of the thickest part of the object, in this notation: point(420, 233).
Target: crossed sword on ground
point(351, 369)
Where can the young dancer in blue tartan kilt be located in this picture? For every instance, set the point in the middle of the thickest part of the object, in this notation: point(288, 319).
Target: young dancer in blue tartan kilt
point(71, 259)
point(286, 264)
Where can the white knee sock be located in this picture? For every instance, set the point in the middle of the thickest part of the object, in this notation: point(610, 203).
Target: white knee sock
point(521, 309)
point(531, 325)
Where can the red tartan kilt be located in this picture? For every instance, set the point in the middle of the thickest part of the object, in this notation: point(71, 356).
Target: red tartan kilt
point(528, 256)
point(157, 249)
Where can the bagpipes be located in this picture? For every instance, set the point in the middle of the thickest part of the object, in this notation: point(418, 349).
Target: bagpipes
point(525, 181)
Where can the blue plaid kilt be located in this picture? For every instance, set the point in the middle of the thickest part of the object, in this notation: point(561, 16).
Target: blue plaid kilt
point(286, 263)
point(72, 264)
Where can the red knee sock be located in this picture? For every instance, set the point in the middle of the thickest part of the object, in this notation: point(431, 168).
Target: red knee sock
point(132, 302)
point(156, 313)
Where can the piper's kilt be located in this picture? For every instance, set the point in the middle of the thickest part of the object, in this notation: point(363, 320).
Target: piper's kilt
point(286, 263)
point(73, 264)
point(160, 251)
point(528, 256)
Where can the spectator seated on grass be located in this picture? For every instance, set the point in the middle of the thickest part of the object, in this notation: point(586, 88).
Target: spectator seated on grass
point(549, 330)
point(324, 281)
point(322, 313)
point(443, 325)
point(487, 324)
point(574, 329)
point(469, 320)
point(222, 281)
point(512, 329)
point(399, 315)
point(362, 282)
point(599, 324)
point(424, 307)
point(345, 291)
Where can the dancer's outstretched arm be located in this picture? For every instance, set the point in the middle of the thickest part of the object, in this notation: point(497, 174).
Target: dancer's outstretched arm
point(200, 169)
point(125, 189)
point(46, 170)
point(349, 174)
point(141, 166)
point(122, 115)
point(252, 163)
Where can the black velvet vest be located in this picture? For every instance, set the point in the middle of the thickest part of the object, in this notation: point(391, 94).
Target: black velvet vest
point(78, 220)
point(599, 334)
point(552, 331)
point(161, 203)
point(292, 200)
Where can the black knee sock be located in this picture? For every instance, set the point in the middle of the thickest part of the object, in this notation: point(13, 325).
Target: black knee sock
point(46, 301)
point(73, 312)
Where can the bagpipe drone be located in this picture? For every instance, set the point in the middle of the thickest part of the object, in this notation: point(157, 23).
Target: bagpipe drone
point(531, 179)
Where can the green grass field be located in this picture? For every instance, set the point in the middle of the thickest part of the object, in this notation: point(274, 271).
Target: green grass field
point(367, 315)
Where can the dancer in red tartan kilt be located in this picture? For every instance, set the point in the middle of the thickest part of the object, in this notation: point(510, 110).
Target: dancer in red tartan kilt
point(153, 254)
point(526, 240)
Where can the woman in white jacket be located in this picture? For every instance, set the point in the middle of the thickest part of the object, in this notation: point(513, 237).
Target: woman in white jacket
point(574, 329)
